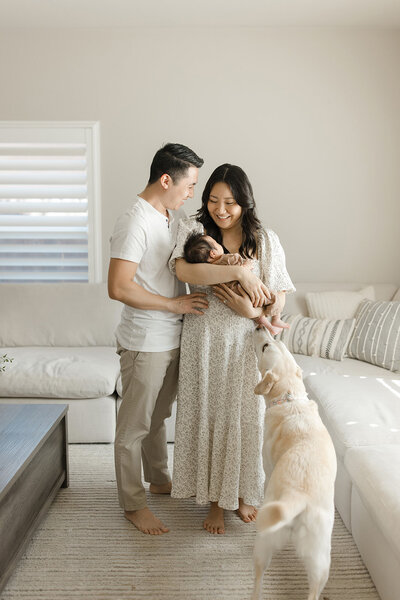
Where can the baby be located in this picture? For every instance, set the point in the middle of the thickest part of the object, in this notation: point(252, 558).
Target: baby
point(200, 248)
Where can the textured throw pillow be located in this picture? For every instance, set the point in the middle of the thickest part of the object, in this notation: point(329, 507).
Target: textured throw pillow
point(317, 337)
point(337, 305)
point(397, 295)
point(376, 336)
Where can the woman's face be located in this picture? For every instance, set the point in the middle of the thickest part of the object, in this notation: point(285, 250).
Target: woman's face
point(223, 208)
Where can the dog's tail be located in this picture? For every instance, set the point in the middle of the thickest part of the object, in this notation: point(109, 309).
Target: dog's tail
point(275, 515)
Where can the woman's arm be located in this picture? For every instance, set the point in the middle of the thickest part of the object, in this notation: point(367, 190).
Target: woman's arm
point(205, 273)
point(208, 274)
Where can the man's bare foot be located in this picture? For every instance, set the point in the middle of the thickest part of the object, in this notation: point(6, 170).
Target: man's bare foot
point(145, 521)
point(214, 522)
point(164, 488)
point(246, 512)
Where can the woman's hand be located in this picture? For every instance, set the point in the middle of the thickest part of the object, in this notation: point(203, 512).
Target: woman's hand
point(258, 292)
point(240, 303)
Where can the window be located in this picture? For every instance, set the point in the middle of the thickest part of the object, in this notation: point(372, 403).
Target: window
point(49, 202)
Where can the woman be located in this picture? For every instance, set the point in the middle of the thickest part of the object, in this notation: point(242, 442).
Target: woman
point(219, 427)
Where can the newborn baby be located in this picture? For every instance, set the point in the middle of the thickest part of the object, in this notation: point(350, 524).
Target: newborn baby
point(200, 248)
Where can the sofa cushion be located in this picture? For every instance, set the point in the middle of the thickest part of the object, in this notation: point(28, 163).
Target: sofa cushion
point(66, 314)
point(357, 411)
point(313, 365)
point(337, 304)
point(376, 336)
point(376, 473)
point(60, 372)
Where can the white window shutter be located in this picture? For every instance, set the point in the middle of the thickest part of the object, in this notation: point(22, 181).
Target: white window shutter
point(49, 205)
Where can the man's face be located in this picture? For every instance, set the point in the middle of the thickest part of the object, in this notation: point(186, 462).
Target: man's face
point(183, 189)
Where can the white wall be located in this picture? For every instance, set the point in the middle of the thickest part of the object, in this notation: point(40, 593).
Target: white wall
point(312, 115)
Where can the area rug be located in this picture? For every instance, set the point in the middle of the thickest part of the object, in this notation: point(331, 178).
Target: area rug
point(85, 549)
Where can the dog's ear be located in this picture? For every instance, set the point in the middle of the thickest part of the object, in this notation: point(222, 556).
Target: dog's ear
point(266, 383)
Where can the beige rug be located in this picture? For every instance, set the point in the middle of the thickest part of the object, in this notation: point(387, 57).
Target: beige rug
point(85, 549)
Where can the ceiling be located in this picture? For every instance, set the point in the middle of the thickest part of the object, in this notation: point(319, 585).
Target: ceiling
point(198, 13)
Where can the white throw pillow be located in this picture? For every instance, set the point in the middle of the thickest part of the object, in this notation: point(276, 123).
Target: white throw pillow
point(376, 337)
point(317, 337)
point(397, 295)
point(337, 305)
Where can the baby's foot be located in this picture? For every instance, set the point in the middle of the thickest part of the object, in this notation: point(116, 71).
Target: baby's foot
point(164, 488)
point(271, 328)
point(276, 322)
point(214, 522)
point(246, 512)
point(146, 521)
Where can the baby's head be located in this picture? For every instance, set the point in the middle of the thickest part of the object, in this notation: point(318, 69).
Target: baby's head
point(201, 248)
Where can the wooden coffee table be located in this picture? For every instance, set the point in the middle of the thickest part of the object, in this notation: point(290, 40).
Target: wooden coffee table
point(33, 466)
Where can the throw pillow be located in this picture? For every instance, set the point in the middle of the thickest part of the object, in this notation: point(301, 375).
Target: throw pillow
point(376, 336)
point(317, 337)
point(397, 295)
point(337, 305)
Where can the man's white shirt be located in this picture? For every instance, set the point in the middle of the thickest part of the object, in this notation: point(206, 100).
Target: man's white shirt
point(145, 236)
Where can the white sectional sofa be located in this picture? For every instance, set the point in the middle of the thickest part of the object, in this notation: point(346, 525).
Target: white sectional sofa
point(360, 405)
point(61, 337)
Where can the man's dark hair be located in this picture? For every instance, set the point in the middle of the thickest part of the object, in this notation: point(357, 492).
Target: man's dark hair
point(196, 249)
point(175, 160)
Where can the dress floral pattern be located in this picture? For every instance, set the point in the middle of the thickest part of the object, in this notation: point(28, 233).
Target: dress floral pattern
point(219, 425)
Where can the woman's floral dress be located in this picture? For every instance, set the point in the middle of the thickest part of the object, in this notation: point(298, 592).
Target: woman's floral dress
point(219, 425)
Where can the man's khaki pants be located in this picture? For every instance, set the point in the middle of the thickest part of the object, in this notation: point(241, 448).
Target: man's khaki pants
point(149, 386)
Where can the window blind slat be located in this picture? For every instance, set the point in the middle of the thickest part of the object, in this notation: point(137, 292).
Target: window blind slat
point(15, 247)
point(14, 207)
point(55, 233)
point(62, 230)
point(6, 276)
point(41, 176)
point(46, 149)
point(43, 191)
point(59, 163)
point(43, 262)
point(43, 220)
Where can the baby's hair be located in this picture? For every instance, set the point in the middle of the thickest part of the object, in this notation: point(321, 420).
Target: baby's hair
point(196, 249)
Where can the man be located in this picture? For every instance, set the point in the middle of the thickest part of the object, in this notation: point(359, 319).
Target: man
point(148, 335)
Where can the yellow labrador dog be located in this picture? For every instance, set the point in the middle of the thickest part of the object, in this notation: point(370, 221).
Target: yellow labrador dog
point(300, 468)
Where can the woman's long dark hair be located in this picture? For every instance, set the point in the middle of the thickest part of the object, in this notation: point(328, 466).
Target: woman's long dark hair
point(242, 191)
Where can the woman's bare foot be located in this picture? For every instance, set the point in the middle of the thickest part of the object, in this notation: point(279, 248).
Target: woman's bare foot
point(164, 488)
point(246, 512)
point(214, 522)
point(145, 521)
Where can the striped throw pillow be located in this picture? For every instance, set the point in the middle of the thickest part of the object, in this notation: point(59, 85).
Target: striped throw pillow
point(317, 337)
point(376, 337)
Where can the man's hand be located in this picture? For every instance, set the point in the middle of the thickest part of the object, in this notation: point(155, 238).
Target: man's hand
point(189, 303)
